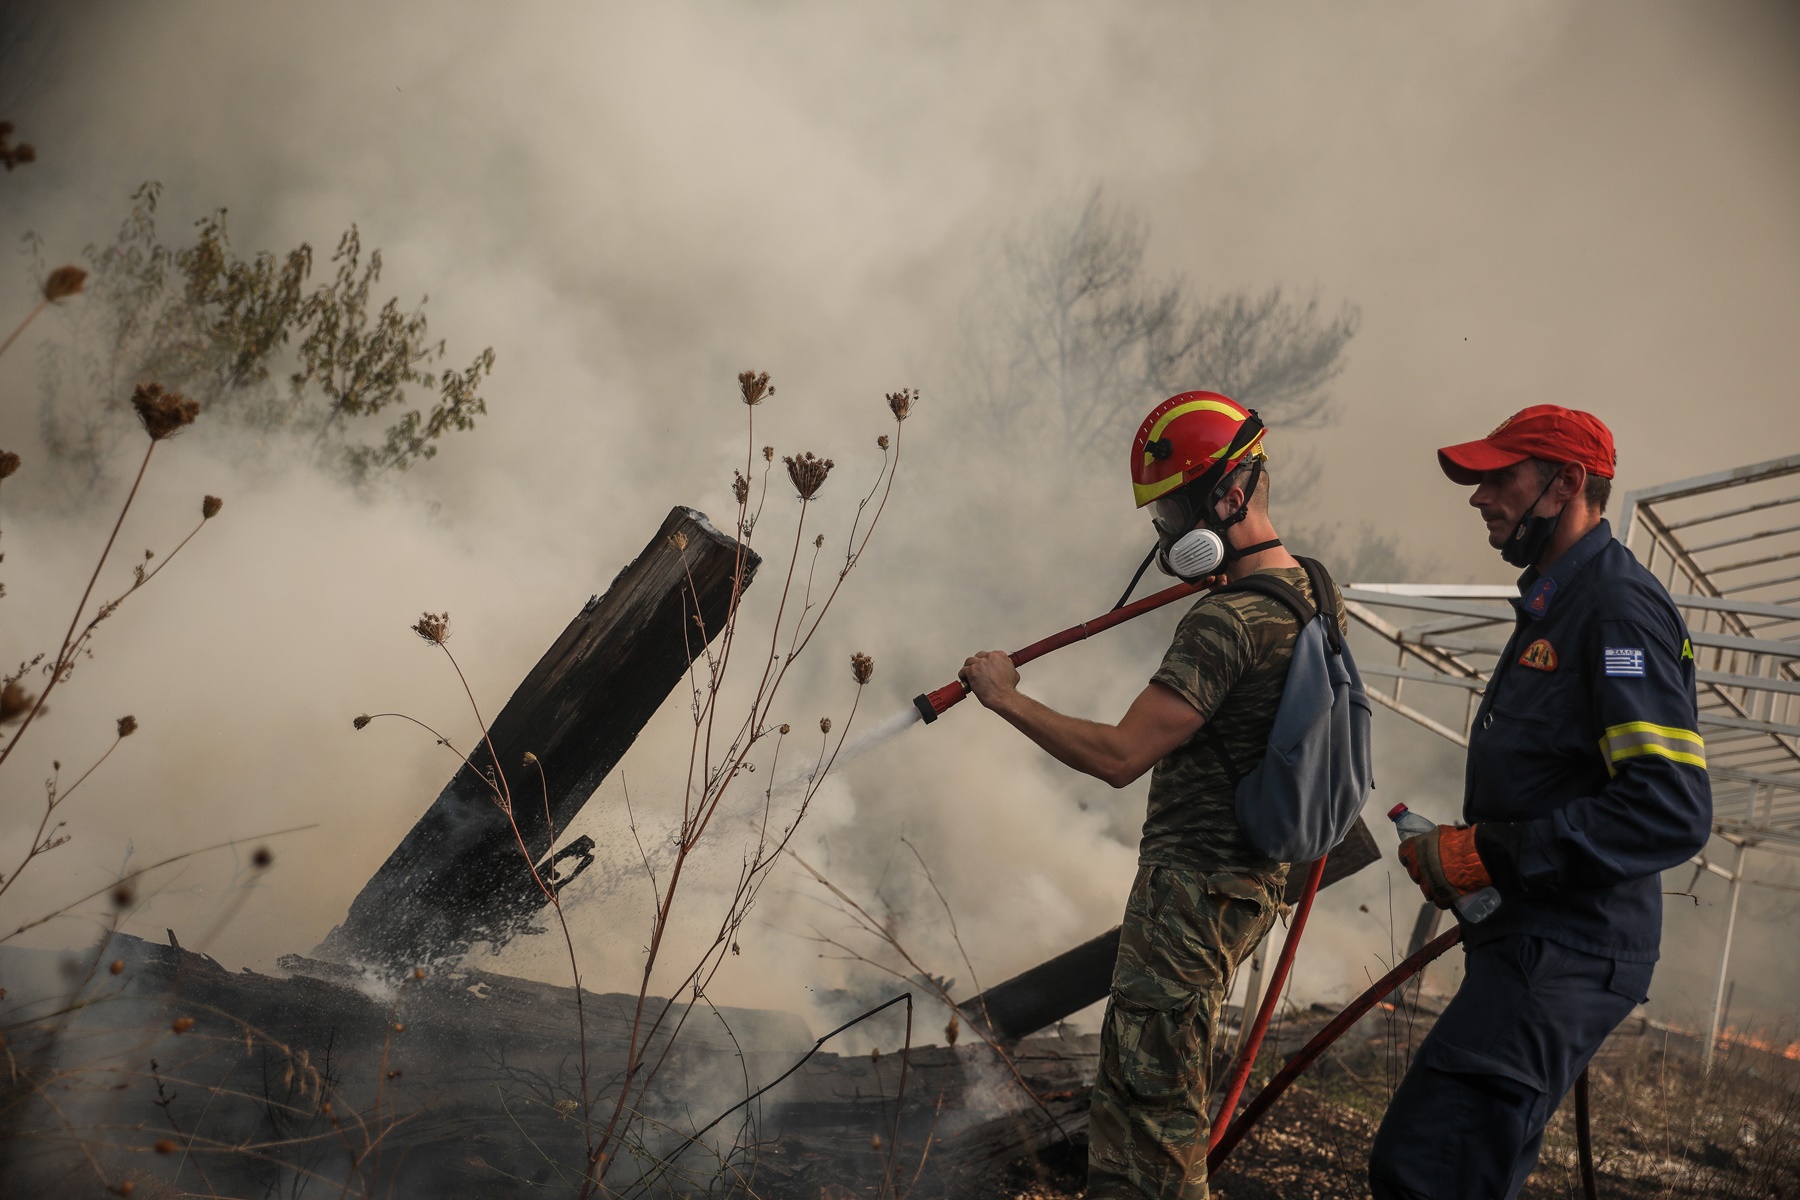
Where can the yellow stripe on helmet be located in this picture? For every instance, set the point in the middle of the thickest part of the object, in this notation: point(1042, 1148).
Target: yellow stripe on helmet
point(1144, 493)
point(1181, 410)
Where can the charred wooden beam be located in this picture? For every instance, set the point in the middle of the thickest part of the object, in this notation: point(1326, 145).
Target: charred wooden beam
point(458, 876)
point(1039, 997)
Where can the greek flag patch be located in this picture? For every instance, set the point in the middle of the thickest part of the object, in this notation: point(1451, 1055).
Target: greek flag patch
point(1624, 661)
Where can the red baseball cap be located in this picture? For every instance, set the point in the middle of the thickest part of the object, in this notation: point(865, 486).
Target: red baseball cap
point(1547, 431)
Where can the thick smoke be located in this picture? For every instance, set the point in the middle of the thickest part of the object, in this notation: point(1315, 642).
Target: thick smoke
point(1592, 206)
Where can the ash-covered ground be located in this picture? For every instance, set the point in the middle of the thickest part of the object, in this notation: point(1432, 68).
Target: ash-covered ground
point(1664, 1128)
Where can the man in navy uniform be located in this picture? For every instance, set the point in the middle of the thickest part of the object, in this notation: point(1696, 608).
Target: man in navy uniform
point(1586, 780)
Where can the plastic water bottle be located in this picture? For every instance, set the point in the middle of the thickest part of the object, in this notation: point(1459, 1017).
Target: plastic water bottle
point(1477, 905)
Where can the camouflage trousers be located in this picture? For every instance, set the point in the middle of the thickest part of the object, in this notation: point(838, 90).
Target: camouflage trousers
point(1185, 932)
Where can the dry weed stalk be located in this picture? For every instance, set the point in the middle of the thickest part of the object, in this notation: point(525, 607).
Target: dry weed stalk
point(713, 767)
point(58, 285)
point(883, 933)
point(163, 414)
point(14, 156)
point(434, 629)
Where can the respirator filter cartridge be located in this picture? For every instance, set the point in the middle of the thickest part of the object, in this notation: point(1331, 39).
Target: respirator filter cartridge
point(1195, 555)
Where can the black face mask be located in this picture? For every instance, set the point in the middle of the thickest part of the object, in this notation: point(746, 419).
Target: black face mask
point(1532, 534)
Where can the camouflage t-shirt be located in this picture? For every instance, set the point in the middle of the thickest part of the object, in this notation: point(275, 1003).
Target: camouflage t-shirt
point(1229, 660)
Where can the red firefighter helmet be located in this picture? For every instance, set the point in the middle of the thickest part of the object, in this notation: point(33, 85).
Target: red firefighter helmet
point(1186, 437)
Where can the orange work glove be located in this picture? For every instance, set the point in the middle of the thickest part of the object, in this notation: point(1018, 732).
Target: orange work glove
point(1444, 864)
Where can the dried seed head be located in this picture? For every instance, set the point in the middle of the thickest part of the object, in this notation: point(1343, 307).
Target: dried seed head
point(824, 724)
point(15, 701)
point(819, 542)
point(127, 726)
point(740, 487)
point(861, 666)
point(261, 857)
point(433, 627)
point(768, 454)
point(126, 1188)
point(209, 507)
point(875, 1142)
point(118, 966)
point(808, 473)
point(399, 1027)
point(900, 403)
point(784, 728)
point(164, 414)
point(122, 893)
point(530, 758)
point(418, 972)
point(9, 462)
point(951, 1030)
point(165, 1146)
point(362, 721)
point(755, 386)
point(882, 441)
point(181, 1024)
point(63, 283)
point(875, 1055)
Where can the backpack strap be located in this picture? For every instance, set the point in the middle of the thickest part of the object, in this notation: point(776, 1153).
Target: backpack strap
point(1276, 589)
point(1289, 597)
point(1319, 579)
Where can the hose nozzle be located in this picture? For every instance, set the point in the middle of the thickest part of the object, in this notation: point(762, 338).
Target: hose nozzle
point(932, 705)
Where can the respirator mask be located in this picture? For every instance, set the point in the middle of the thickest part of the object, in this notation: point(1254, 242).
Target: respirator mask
point(1190, 535)
point(1532, 534)
point(1183, 550)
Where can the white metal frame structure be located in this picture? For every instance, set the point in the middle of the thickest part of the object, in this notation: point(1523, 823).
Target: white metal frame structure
point(1727, 546)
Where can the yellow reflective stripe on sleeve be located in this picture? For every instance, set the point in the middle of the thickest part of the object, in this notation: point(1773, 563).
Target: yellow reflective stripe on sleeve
point(1635, 738)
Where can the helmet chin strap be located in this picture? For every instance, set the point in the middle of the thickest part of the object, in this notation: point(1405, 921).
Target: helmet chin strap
point(1233, 553)
point(1222, 525)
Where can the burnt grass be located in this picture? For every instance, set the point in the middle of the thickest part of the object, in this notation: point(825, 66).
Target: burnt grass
point(1663, 1127)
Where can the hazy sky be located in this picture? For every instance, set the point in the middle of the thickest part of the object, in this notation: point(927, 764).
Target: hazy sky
point(1593, 204)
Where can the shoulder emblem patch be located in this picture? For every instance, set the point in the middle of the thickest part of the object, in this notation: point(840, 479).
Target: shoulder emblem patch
point(1687, 647)
point(1623, 661)
point(1540, 655)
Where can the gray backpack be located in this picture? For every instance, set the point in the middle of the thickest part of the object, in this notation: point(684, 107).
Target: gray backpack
point(1297, 804)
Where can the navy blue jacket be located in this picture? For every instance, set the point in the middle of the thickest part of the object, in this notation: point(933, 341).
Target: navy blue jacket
point(1587, 775)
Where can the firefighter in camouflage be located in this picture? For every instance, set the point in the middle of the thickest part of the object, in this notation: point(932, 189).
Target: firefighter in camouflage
point(1203, 896)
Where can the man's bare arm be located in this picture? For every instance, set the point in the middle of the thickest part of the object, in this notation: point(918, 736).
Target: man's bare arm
point(1157, 722)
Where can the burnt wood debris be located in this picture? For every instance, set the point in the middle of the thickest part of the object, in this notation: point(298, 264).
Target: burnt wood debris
point(466, 1082)
point(456, 878)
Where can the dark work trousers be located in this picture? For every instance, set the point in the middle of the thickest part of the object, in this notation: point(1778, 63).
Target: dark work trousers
point(1468, 1120)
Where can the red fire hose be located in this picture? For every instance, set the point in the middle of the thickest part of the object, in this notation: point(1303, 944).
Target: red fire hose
point(933, 705)
point(1338, 1025)
point(1240, 1074)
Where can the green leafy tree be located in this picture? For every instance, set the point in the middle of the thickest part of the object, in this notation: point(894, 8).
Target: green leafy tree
point(361, 389)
